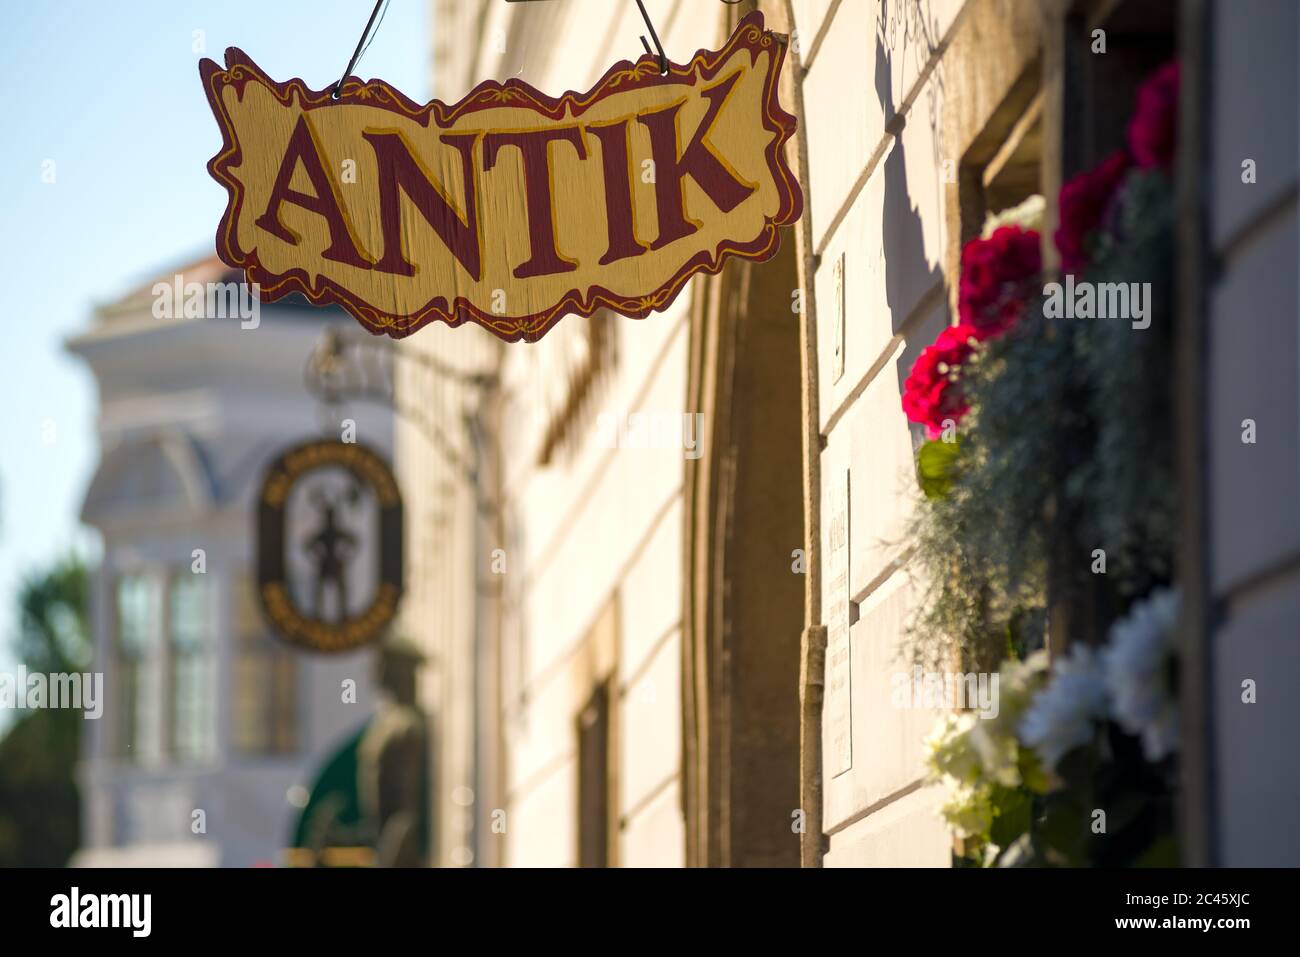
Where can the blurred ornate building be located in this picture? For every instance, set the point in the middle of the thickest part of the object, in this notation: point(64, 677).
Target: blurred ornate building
point(213, 728)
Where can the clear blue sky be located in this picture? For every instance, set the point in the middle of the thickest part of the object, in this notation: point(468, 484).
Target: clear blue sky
point(110, 92)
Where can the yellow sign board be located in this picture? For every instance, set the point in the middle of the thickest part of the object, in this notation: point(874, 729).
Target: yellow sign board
point(509, 208)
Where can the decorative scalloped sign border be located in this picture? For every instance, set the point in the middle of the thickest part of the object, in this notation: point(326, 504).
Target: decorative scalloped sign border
point(754, 143)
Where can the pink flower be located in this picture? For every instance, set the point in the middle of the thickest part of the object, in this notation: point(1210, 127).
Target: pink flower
point(997, 276)
point(932, 393)
point(1153, 130)
point(1083, 204)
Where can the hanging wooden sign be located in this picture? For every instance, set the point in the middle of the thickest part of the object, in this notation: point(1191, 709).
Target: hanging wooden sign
point(329, 545)
point(509, 209)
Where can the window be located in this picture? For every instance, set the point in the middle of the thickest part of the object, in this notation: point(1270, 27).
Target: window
point(136, 687)
point(193, 714)
point(594, 798)
point(1139, 36)
point(1012, 175)
point(594, 679)
point(1002, 170)
point(265, 687)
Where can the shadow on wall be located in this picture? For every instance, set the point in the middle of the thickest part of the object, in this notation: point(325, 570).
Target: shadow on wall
point(913, 288)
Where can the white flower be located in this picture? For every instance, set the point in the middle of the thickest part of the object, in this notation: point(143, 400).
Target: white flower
point(995, 739)
point(1138, 666)
point(1064, 714)
point(999, 754)
point(955, 765)
point(1028, 215)
point(949, 753)
point(968, 810)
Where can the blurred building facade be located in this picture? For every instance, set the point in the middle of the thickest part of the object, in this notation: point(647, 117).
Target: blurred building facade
point(587, 670)
point(1240, 253)
point(682, 656)
point(638, 697)
point(209, 720)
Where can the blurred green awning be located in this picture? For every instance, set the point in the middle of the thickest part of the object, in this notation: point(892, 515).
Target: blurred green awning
point(332, 815)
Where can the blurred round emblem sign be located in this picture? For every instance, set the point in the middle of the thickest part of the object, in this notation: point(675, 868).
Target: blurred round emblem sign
point(329, 545)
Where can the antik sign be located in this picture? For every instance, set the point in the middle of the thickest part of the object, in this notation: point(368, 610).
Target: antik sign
point(510, 208)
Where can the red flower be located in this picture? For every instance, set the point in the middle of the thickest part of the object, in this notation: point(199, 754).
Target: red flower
point(1083, 205)
point(1153, 130)
point(932, 393)
point(997, 275)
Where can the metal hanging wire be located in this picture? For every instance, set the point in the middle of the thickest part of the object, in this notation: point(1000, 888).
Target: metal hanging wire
point(362, 44)
point(659, 47)
point(372, 28)
point(658, 51)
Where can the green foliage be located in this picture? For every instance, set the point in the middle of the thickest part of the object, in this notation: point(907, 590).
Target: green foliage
point(1013, 816)
point(934, 467)
point(1125, 488)
point(1068, 439)
point(989, 778)
point(52, 628)
point(39, 805)
point(1069, 433)
point(982, 569)
point(1135, 796)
